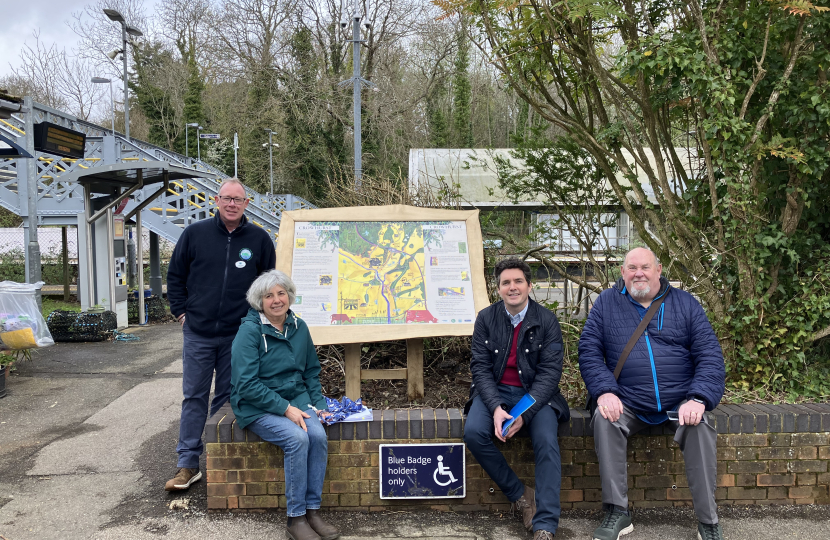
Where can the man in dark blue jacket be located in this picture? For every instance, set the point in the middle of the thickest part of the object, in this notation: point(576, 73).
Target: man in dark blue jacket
point(674, 373)
point(213, 264)
point(517, 350)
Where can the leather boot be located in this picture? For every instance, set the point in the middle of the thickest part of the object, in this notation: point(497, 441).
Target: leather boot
point(299, 529)
point(326, 531)
point(527, 506)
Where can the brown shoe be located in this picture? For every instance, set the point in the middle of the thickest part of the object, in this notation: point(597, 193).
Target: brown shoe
point(183, 479)
point(542, 535)
point(299, 529)
point(326, 531)
point(527, 505)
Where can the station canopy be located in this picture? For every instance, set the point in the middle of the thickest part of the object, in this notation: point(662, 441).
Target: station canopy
point(103, 178)
point(475, 174)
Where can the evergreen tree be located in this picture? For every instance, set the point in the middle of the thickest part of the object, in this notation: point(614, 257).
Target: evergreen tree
point(462, 92)
point(193, 101)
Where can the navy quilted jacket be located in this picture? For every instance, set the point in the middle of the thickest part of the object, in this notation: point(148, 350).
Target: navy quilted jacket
point(678, 356)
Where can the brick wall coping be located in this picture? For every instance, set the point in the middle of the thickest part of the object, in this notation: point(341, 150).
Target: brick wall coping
point(448, 423)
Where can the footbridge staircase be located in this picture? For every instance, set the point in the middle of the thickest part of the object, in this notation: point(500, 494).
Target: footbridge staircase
point(60, 199)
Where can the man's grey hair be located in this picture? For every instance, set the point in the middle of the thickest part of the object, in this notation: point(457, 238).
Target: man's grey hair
point(229, 181)
point(267, 281)
point(656, 260)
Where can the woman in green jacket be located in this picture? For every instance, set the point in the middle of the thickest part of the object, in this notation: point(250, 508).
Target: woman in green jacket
point(276, 393)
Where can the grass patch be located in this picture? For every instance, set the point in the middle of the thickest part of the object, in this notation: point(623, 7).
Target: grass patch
point(50, 304)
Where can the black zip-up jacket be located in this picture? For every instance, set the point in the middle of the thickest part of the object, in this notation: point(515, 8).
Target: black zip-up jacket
point(207, 279)
point(538, 358)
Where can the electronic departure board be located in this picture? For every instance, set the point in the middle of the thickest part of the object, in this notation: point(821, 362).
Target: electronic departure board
point(58, 140)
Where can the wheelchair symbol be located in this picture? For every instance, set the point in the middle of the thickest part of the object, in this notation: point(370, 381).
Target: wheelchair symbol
point(444, 471)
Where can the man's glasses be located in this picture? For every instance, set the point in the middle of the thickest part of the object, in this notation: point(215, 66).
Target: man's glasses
point(236, 200)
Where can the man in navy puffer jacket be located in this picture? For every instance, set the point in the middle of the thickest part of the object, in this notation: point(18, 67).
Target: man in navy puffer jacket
point(675, 372)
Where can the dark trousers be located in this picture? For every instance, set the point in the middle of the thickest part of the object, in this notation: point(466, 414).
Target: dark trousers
point(478, 435)
point(201, 357)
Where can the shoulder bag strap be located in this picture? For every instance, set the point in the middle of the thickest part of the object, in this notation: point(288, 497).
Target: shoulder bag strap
point(652, 310)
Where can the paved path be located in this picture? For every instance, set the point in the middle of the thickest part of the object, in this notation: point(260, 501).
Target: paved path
point(87, 440)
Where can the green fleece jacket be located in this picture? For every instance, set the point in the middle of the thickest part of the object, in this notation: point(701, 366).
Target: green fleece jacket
point(270, 371)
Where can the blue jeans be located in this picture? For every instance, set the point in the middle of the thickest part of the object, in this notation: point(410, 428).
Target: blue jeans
point(306, 455)
point(479, 433)
point(201, 357)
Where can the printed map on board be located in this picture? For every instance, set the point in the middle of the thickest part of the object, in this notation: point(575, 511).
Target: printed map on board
point(384, 272)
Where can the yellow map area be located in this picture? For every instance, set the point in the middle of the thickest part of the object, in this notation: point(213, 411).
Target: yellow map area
point(387, 286)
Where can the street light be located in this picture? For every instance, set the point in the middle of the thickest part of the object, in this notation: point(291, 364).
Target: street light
point(198, 141)
point(271, 146)
point(101, 80)
point(186, 145)
point(133, 31)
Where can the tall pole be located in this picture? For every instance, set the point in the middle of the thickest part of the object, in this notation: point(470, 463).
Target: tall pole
point(357, 84)
point(126, 88)
point(112, 103)
point(185, 141)
point(358, 142)
point(33, 270)
point(235, 148)
point(271, 160)
point(198, 143)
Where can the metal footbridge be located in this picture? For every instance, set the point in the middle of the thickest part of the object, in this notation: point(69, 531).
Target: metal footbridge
point(60, 197)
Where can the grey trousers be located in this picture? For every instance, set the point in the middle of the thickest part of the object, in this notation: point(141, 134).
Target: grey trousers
point(698, 444)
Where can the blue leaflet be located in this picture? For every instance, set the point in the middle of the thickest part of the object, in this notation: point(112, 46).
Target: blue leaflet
point(524, 404)
point(340, 410)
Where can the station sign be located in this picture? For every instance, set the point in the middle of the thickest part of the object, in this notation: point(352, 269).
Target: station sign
point(208, 135)
point(422, 471)
point(59, 141)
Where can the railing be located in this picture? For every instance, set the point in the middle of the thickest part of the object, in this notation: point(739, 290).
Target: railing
point(60, 201)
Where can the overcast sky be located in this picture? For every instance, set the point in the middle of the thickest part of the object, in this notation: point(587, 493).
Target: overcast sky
point(22, 17)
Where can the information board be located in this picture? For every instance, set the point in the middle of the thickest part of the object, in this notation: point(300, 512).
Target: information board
point(395, 272)
point(422, 471)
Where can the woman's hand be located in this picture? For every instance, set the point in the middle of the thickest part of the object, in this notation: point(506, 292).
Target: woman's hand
point(322, 415)
point(297, 416)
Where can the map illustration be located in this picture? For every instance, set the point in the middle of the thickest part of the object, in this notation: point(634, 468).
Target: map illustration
point(382, 272)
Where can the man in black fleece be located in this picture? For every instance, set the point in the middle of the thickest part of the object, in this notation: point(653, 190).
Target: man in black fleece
point(213, 264)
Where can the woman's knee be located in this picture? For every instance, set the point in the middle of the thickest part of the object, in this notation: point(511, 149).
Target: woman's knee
point(297, 440)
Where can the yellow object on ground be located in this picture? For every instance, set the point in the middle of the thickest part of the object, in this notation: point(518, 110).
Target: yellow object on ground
point(19, 339)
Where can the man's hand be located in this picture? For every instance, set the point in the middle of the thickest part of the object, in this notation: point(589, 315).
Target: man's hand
point(610, 406)
point(691, 413)
point(322, 415)
point(515, 427)
point(297, 416)
point(181, 319)
point(500, 416)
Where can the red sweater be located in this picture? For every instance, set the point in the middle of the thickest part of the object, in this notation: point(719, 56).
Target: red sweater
point(511, 372)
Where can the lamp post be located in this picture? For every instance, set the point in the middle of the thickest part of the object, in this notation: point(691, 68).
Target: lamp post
point(271, 146)
point(102, 80)
point(186, 145)
point(198, 143)
point(133, 31)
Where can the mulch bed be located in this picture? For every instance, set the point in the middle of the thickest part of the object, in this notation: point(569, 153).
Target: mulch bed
point(446, 374)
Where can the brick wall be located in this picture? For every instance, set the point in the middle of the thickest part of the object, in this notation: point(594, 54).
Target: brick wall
point(766, 455)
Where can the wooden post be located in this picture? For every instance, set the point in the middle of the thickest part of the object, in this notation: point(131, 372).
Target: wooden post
point(65, 242)
point(414, 369)
point(352, 370)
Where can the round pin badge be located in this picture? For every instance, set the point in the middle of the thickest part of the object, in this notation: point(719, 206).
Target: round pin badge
point(240, 264)
point(245, 254)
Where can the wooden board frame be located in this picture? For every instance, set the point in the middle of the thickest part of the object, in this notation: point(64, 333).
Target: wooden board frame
point(329, 335)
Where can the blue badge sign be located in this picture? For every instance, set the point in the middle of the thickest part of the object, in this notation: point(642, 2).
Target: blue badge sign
point(422, 471)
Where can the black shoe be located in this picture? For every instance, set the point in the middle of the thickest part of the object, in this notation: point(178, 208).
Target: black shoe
point(709, 532)
point(614, 525)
